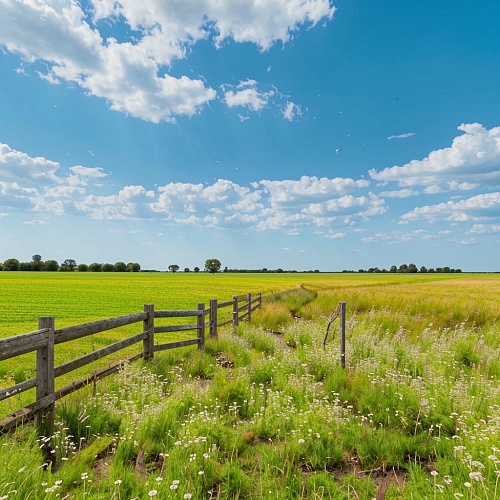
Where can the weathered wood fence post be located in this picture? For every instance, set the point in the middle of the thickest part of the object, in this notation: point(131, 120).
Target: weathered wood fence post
point(249, 306)
point(201, 326)
point(44, 418)
point(213, 318)
point(342, 334)
point(148, 344)
point(235, 310)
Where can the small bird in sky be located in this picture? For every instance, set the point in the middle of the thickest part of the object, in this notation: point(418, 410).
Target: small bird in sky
point(338, 150)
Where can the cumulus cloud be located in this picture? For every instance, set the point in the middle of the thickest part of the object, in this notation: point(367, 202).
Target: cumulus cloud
point(310, 201)
point(127, 63)
point(473, 159)
point(477, 208)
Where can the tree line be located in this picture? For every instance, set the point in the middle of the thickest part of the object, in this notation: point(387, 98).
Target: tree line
point(38, 264)
point(407, 268)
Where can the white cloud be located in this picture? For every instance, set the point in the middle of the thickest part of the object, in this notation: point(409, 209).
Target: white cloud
point(473, 159)
point(400, 193)
point(478, 208)
point(249, 98)
point(292, 111)
point(132, 73)
point(401, 136)
point(93, 172)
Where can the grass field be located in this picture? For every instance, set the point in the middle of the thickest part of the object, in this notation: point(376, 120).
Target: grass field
point(415, 415)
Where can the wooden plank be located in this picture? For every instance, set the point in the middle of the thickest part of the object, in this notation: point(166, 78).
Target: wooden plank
point(17, 389)
point(177, 314)
point(100, 353)
point(224, 304)
point(242, 308)
point(175, 345)
point(175, 328)
point(78, 331)
point(11, 347)
point(29, 411)
point(225, 323)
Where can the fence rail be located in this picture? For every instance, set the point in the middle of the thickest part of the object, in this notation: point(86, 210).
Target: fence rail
point(43, 340)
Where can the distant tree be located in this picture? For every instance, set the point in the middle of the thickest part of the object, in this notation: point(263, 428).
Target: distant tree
point(226, 270)
point(173, 267)
point(108, 268)
point(51, 265)
point(120, 267)
point(133, 267)
point(279, 270)
point(25, 266)
point(82, 268)
point(423, 269)
point(95, 267)
point(11, 265)
point(431, 270)
point(36, 263)
point(393, 269)
point(212, 265)
point(412, 268)
point(458, 270)
point(403, 268)
point(196, 269)
point(68, 265)
point(186, 269)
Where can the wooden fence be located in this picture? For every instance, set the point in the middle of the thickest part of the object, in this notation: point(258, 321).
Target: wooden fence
point(46, 337)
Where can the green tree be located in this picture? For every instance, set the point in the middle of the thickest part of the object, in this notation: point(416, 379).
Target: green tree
point(186, 269)
point(36, 263)
point(68, 265)
point(82, 268)
point(133, 267)
point(11, 265)
point(108, 268)
point(51, 265)
point(196, 269)
point(120, 267)
point(25, 266)
point(212, 265)
point(95, 267)
point(173, 267)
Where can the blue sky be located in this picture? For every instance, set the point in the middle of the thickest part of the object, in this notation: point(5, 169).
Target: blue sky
point(301, 134)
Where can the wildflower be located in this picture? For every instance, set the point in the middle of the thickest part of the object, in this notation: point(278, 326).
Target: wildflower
point(118, 482)
point(434, 473)
point(187, 495)
point(301, 441)
point(159, 479)
point(153, 493)
point(200, 473)
point(476, 476)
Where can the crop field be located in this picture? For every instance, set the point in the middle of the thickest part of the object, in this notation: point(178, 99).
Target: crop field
point(266, 411)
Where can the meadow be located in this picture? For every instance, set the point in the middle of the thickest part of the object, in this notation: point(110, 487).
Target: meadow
point(415, 414)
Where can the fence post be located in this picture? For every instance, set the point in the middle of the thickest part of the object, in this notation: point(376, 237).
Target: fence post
point(342, 334)
point(201, 326)
point(213, 318)
point(148, 344)
point(249, 306)
point(259, 296)
point(235, 310)
point(44, 418)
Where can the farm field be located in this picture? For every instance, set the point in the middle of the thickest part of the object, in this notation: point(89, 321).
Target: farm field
point(82, 297)
point(415, 414)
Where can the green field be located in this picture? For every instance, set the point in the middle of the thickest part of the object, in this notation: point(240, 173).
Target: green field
point(75, 298)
